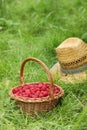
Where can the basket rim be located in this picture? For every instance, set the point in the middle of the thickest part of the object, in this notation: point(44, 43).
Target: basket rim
point(38, 100)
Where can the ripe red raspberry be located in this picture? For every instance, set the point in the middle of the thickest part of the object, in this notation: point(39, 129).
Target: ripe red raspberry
point(34, 90)
point(27, 92)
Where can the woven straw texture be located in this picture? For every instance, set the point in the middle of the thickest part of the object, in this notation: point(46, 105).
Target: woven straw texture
point(72, 53)
point(37, 105)
point(73, 76)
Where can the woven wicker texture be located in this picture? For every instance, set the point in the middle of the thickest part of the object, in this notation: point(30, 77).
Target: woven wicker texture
point(72, 53)
point(38, 105)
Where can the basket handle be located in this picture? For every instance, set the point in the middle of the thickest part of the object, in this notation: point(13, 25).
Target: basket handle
point(45, 68)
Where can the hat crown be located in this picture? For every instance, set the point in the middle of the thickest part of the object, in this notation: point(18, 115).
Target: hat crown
point(70, 43)
point(72, 53)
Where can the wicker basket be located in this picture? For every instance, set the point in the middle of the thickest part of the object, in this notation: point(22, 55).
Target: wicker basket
point(37, 105)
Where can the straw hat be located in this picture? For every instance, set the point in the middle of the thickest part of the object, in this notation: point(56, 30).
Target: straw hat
point(72, 60)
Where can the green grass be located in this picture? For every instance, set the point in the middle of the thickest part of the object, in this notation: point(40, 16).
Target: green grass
point(34, 28)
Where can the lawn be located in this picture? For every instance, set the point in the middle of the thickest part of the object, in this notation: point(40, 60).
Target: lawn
point(34, 28)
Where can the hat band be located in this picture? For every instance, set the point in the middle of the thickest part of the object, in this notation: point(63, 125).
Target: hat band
point(77, 62)
point(76, 70)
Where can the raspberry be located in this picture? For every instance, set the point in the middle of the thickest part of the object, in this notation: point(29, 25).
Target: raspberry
point(34, 90)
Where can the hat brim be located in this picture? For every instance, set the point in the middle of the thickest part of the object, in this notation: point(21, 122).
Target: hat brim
point(71, 78)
